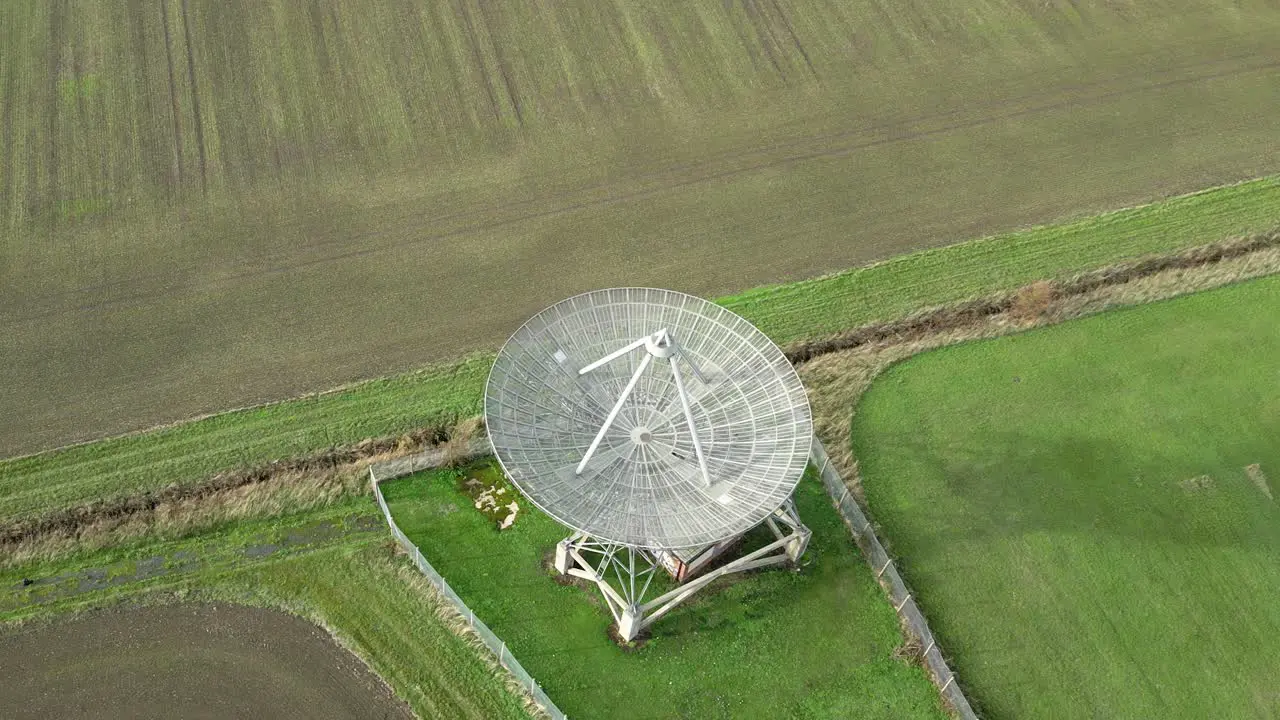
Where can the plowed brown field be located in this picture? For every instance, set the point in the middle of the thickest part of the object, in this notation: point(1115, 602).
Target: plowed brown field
point(226, 203)
point(187, 661)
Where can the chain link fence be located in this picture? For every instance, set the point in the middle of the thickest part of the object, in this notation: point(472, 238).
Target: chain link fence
point(392, 469)
point(887, 574)
point(903, 602)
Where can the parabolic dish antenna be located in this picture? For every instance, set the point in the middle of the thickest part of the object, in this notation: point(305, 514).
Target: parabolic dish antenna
point(648, 418)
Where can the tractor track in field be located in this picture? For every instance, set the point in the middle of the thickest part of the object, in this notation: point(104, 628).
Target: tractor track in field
point(664, 179)
point(197, 117)
point(174, 108)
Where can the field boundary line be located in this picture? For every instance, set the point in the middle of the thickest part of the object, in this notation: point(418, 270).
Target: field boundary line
point(909, 613)
point(430, 459)
point(932, 320)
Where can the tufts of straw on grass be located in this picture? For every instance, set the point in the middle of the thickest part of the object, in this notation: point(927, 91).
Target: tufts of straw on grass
point(1259, 479)
point(456, 451)
point(1031, 301)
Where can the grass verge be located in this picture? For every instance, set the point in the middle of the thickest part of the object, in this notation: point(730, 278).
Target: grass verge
point(819, 643)
point(437, 396)
point(348, 579)
point(797, 311)
point(1081, 509)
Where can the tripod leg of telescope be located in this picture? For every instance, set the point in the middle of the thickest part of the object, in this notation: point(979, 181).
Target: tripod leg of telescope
point(697, 372)
point(688, 417)
point(629, 625)
point(563, 560)
point(617, 407)
point(612, 356)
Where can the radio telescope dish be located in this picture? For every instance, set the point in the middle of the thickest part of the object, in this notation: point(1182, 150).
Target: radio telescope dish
point(648, 418)
point(658, 426)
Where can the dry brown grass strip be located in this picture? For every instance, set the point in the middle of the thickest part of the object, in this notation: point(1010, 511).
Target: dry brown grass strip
point(1032, 301)
point(910, 651)
point(294, 485)
point(459, 625)
point(837, 377)
point(457, 449)
point(1040, 297)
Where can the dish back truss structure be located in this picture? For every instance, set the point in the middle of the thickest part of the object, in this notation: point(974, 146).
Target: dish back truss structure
point(659, 427)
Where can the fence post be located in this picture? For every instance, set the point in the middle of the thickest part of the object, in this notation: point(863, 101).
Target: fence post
point(874, 552)
point(427, 460)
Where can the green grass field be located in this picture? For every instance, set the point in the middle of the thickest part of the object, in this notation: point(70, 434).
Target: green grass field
point(188, 452)
point(208, 204)
point(1076, 510)
point(817, 644)
point(350, 582)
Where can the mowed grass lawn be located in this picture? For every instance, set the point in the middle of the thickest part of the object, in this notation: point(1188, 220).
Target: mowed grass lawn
point(1074, 508)
point(814, 644)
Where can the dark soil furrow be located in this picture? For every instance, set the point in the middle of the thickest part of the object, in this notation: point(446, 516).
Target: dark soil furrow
point(476, 53)
point(504, 68)
point(795, 39)
point(195, 97)
point(173, 96)
point(764, 36)
point(56, 41)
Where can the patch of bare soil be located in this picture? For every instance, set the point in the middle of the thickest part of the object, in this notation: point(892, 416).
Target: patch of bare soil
point(178, 661)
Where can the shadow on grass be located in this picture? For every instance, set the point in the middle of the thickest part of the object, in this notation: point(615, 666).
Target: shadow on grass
point(1017, 484)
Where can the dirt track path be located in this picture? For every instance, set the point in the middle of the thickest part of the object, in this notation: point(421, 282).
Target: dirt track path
point(187, 661)
point(368, 289)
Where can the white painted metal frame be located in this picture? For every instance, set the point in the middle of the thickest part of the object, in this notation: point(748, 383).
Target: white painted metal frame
point(661, 345)
point(624, 573)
